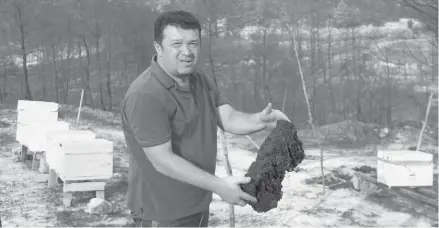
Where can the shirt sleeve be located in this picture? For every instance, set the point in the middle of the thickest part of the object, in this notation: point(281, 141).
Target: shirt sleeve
point(220, 99)
point(147, 119)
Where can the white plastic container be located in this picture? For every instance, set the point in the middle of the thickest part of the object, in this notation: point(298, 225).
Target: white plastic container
point(404, 168)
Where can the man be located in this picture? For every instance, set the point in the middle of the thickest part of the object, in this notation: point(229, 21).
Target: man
point(170, 115)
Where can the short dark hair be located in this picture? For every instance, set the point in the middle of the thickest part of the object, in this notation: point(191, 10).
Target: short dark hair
point(178, 18)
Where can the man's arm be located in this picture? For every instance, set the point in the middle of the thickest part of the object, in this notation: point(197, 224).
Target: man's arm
point(171, 165)
point(232, 120)
point(239, 123)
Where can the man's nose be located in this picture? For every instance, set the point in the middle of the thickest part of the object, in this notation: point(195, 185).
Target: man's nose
point(185, 49)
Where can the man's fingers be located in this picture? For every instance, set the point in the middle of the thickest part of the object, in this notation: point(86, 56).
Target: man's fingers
point(241, 203)
point(268, 108)
point(243, 180)
point(284, 117)
point(248, 197)
point(281, 115)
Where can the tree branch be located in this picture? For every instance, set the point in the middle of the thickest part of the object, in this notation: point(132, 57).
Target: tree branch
point(308, 104)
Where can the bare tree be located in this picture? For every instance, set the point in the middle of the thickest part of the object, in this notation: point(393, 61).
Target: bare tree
point(23, 14)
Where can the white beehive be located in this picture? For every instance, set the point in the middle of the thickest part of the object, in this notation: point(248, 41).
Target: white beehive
point(53, 154)
point(404, 168)
point(29, 112)
point(29, 104)
point(34, 135)
point(84, 159)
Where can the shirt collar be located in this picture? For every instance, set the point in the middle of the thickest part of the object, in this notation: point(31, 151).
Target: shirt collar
point(161, 75)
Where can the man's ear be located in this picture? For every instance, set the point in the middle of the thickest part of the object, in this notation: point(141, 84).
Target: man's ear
point(158, 48)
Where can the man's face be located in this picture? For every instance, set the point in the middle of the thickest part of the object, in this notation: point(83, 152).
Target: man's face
point(179, 50)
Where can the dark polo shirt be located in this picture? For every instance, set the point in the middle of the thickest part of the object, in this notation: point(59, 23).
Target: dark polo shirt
point(154, 110)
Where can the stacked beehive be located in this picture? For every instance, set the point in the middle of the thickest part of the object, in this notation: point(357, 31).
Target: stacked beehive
point(35, 120)
point(82, 161)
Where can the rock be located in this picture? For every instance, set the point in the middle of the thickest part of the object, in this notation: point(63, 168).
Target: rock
point(365, 169)
point(281, 152)
point(100, 206)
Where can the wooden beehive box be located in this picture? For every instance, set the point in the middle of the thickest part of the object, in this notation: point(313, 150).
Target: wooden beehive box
point(29, 112)
point(90, 159)
point(404, 168)
point(53, 152)
point(34, 135)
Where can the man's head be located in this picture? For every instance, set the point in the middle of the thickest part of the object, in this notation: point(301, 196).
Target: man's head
point(177, 37)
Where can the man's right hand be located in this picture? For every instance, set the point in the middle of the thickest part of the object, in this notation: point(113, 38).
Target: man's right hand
point(231, 192)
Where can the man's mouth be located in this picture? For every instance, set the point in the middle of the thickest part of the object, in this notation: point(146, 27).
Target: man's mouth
point(187, 61)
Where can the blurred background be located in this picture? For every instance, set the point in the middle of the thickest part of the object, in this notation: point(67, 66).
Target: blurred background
point(369, 67)
point(369, 61)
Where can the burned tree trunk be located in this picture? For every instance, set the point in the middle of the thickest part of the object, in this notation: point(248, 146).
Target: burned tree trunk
point(281, 152)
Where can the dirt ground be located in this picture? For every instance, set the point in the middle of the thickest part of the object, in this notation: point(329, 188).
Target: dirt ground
point(26, 200)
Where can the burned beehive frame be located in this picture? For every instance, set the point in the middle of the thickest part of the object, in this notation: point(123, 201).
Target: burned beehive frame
point(281, 152)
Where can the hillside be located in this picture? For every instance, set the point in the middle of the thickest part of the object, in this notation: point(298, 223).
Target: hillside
point(388, 53)
point(27, 201)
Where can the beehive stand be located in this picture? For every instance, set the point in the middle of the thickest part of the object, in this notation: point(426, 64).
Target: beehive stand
point(69, 186)
point(81, 161)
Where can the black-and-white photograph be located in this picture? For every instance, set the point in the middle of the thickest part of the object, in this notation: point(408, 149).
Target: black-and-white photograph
point(219, 113)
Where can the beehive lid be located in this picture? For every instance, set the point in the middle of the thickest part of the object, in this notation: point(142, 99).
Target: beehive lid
point(71, 135)
point(42, 125)
point(60, 125)
point(404, 155)
point(89, 146)
point(37, 105)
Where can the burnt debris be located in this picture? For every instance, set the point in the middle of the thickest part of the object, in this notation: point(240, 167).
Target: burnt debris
point(281, 152)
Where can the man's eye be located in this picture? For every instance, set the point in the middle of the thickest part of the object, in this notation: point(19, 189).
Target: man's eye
point(176, 44)
point(193, 44)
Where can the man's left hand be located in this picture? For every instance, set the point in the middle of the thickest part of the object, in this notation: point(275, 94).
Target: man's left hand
point(270, 116)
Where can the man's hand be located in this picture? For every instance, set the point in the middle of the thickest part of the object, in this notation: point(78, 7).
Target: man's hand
point(270, 116)
point(231, 192)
